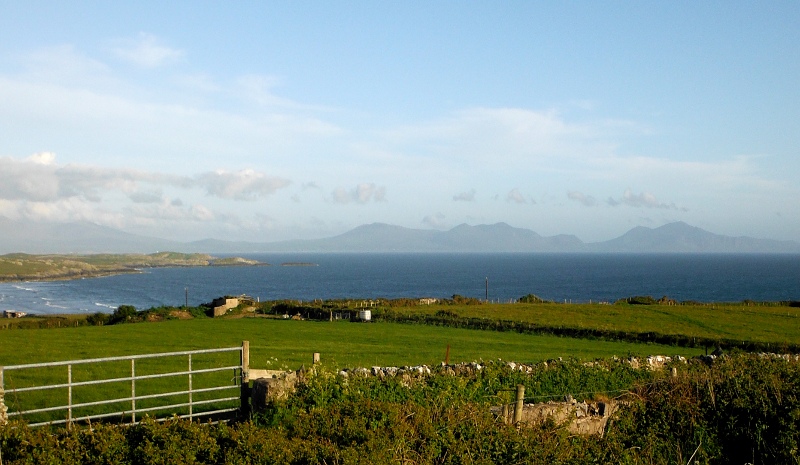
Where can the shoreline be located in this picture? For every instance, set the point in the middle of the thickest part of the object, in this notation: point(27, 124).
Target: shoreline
point(47, 268)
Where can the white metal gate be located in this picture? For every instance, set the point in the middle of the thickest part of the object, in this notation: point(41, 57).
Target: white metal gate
point(189, 404)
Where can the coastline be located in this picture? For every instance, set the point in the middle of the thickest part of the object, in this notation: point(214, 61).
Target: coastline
point(42, 268)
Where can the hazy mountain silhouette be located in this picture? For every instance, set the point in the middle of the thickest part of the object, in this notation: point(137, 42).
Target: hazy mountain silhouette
point(380, 237)
point(680, 237)
point(79, 237)
point(82, 237)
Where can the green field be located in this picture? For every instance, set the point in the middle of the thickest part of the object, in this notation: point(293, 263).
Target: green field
point(275, 343)
point(288, 344)
point(762, 323)
point(738, 406)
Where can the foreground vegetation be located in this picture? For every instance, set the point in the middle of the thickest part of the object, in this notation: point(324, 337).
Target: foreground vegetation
point(743, 409)
point(739, 408)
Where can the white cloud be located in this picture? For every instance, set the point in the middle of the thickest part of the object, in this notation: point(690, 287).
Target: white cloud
point(145, 51)
point(362, 193)
point(434, 221)
point(515, 196)
point(40, 178)
point(468, 196)
point(585, 200)
point(39, 188)
point(146, 197)
point(642, 200)
point(62, 94)
point(43, 158)
point(511, 135)
point(65, 65)
point(241, 185)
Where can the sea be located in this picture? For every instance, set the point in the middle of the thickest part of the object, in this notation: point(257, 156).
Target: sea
point(496, 277)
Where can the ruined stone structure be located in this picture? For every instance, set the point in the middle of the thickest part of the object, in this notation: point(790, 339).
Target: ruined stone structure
point(223, 304)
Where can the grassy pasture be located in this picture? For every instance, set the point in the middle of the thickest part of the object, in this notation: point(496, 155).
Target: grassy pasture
point(775, 324)
point(274, 343)
point(288, 344)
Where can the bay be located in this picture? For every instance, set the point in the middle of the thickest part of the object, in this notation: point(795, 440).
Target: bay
point(558, 277)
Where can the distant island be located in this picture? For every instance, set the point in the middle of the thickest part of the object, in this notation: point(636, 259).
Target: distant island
point(26, 267)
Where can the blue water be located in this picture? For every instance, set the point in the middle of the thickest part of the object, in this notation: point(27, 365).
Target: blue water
point(560, 277)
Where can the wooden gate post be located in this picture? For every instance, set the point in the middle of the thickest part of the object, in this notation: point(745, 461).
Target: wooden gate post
point(245, 380)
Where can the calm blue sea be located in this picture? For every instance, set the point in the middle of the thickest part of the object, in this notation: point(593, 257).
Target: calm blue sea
point(576, 278)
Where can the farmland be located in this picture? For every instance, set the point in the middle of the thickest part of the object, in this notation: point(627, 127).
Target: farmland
point(292, 342)
point(741, 408)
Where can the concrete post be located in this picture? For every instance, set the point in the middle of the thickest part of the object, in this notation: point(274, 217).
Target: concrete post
point(316, 358)
point(520, 403)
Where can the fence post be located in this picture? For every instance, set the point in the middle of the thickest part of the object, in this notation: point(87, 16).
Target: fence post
point(133, 391)
point(69, 396)
point(245, 382)
point(3, 408)
point(520, 403)
point(191, 411)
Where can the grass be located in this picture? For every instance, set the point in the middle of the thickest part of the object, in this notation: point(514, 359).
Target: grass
point(288, 344)
point(292, 343)
point(774, 324)
point(274, 344)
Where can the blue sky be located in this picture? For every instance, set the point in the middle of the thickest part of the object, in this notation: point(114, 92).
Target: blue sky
point(272, 121)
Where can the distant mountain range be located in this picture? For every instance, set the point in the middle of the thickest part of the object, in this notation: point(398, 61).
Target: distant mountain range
point(679, 237)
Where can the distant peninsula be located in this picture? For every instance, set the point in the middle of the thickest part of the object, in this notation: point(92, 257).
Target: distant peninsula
point(27, 267)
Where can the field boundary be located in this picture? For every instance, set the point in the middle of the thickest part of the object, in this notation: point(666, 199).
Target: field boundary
point(219, 393)
point(650, 337)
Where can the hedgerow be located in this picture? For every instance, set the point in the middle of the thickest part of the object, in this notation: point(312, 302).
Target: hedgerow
point(741, 409)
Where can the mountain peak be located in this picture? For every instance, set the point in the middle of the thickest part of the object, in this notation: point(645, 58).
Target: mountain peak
point(677, 237)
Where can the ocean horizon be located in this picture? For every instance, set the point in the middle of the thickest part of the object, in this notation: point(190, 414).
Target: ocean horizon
point(557, 277)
